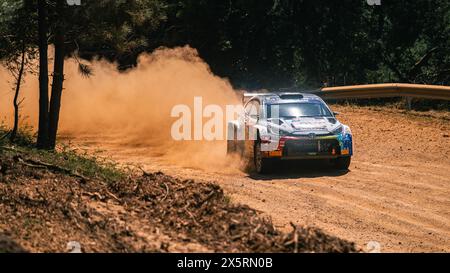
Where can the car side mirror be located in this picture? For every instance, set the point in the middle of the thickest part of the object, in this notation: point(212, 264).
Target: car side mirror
point(336, 113)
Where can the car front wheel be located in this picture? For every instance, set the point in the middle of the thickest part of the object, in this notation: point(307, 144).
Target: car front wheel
point(262, 165)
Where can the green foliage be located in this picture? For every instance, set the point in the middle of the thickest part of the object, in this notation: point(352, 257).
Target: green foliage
point(269, 43)
point(17, 31)
point(113, 29)
point(309, 43)
point(9, 9)
point(86, 164)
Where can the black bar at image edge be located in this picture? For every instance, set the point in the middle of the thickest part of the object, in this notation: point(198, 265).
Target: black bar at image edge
point(221, 262)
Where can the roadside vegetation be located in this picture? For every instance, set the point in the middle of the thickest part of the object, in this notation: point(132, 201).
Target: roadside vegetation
point(66, 160)
point(49, 199)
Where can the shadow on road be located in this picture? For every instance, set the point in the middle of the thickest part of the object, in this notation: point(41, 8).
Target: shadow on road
point(299, 169)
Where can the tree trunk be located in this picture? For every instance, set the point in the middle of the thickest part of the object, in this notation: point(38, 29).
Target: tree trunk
point(42, 140)
point(58, 76)
point(16, 96)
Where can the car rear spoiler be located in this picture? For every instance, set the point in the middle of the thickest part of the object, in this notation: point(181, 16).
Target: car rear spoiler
point(248, 96)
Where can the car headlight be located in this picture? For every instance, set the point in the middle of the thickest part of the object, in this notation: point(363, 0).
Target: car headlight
point(346, 130)
point(338, 130)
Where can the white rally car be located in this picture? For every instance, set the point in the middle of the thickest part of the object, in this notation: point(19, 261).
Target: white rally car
point(287, 126)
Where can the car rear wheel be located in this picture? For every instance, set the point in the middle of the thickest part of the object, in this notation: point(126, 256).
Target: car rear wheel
point(342, 163)
point(262, 165)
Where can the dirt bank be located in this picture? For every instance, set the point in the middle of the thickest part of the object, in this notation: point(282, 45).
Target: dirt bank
point(46, 206)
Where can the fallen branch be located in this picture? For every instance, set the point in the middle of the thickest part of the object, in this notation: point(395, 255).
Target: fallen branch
point(5, 136)
point(144, 173)
point(295, 238)
point(112, 195)
point(43, 165)
point(11, 149)
point(167, 192)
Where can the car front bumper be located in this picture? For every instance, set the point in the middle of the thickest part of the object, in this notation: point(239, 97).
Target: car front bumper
point(320, 147)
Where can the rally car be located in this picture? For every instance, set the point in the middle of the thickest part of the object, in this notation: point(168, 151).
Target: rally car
point(287, 126)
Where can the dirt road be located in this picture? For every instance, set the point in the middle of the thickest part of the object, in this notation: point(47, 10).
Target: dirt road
point(397, 191)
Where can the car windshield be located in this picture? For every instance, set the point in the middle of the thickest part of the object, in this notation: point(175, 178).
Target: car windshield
point(294, 110)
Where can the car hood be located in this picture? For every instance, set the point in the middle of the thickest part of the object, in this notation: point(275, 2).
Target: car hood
point(308, 125)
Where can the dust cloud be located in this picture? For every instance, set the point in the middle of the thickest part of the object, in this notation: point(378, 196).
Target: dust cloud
point(132, 109)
